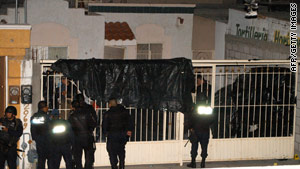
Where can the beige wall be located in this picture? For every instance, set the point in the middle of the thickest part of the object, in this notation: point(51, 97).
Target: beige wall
point(56, 35)
point(203, 34)
point(152, 33)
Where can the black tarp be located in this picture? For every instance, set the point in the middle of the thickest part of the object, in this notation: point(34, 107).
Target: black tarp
point(153, 84)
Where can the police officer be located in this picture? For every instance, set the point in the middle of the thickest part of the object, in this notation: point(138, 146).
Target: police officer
point(86, 107)
point(11, 130)
point(40, 134)
point(83, 125)
point(200, 121)
point(60, 140)
point(117, 127)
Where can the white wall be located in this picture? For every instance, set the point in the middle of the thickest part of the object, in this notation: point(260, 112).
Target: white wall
point(220, 32)
point(54, 24)
point(159, 28)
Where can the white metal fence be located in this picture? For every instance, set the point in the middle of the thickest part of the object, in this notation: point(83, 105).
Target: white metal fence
point(254, 104)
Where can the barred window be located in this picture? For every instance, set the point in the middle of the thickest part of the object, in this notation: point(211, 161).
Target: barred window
point(149, 51)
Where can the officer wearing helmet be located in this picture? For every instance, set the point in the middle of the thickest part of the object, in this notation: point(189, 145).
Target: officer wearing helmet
point(40, 134)
point(117, 126)
point(61, 138)
point(199, 121)
point(11, 130)
point(83, 123)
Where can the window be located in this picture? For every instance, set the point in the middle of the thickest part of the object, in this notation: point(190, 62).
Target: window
point(113, 52)
point(149, 51)
point(55, 53)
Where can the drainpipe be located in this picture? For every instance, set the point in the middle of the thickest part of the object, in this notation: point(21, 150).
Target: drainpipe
point(16, 13)
point(25, 11)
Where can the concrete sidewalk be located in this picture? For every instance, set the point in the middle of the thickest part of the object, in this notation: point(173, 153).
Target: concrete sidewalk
point(217, 164)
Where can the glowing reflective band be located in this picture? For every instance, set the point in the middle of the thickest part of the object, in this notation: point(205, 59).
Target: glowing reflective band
point(59, 129)
point(204, 110)
point(38, 120)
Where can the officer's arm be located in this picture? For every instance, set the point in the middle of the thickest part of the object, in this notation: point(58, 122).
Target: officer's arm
point(92, 117)
point(33, 130)
point(129, 122)
point(16, 132)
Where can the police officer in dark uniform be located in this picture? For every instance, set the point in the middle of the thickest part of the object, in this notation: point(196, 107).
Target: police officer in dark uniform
point(86, 107)
point(40, 134)
point(117, 127)
point(83, 125)
point(11, 130)
point(60, 140)
point(200, 121)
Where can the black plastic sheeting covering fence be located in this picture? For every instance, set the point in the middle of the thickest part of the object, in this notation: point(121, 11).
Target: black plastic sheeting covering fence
point(153, 84)
point(273, 93)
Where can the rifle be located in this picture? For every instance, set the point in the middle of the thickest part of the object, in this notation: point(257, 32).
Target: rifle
point(192, 138)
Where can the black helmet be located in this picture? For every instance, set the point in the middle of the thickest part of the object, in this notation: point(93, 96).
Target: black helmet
point(42, 104)
point(11, 109)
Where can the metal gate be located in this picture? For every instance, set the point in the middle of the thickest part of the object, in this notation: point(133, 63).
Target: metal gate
point(254, 110)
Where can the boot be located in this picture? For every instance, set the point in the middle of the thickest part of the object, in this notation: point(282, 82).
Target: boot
point(203, 163)
point(114, 167)
point(192, 164)
point(122, 165)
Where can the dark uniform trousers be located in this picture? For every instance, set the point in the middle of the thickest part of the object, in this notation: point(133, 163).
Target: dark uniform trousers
point(86, 145)
point(60, 151)
point(115, 146)
point(43, 155)
point(10, 155)
point(203, 138)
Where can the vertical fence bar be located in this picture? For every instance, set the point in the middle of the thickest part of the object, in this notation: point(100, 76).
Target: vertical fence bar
point(146, 125)
point(100, 122)
point(130, 113)
point(278, 86)
point(237, 99)
point(231, 103)
point(164, 124)
point(243, 102)
point(213, 89)
point(219, 115)
point(175, 116)
point(180, 135)
point(54, 92)
point(249, 103)
point(283, 105)
point(271, 121)
point(260, 101)
point(59, 92)
point(135, 125)
point(141, 126)
point(47, 99)
point(152, 124)
point(225, 106)
point(266, 104)
point(254, 104)
point(157, 125)
point(169, 126)
point(294, 105)
point(289, 109)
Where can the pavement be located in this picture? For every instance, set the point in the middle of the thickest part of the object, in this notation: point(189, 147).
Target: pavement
point(223, 164)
